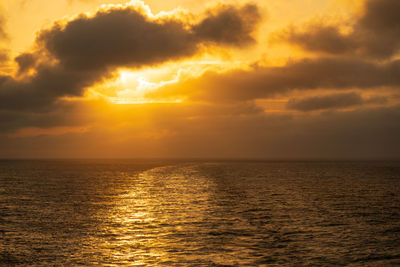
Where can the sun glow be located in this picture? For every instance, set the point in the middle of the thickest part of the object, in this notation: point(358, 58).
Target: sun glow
point(134, 86)
point(137, 85)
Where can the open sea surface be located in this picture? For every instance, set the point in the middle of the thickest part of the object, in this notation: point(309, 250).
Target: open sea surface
point(199, 213)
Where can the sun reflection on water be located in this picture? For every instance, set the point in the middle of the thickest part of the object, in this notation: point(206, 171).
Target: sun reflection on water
point(153, 218)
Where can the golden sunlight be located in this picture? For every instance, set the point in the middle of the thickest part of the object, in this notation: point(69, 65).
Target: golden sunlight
point(134, 86)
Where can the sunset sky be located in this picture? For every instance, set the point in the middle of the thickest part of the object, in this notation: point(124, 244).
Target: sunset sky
point(274, 79)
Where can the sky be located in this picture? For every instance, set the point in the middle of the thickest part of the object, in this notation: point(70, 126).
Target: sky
point(272, 79)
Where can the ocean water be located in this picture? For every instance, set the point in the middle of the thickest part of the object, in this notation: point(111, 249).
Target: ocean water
point(199, 213)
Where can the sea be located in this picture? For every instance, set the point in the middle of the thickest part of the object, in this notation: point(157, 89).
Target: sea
point(199, 213)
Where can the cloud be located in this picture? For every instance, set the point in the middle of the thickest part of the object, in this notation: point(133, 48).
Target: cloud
point(87, 49)
point(318, 38)
point(379, 27)
point(40, 92)
point(229, 25)
point(306, 74)
point(25, 61)
point(126, 37)
point(61, 114)
point(117, 38)
point(333, 101)
point(374, 34)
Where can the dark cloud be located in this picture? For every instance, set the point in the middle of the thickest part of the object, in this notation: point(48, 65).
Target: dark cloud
point(375, 34)
point(263, 82)
point(333, 101)
point(229, 25)
point(87, 49)
point(125, 37)
point(25, 61)
point(65, 114)
point(118, 37)
point(379, 28)
point(319, 38)
point(40, 92)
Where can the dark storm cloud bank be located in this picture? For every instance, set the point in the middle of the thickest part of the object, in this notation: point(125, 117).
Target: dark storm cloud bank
point(307, 74)
point(375, 34)
point(358, 134)
point(63, 114)
point(87, 49)
point(363, 133)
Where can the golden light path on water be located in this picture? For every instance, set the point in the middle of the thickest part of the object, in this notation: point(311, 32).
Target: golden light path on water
point(152, 221)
